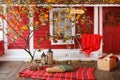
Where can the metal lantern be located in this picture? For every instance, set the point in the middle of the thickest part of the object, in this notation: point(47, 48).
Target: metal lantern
point(49, 56)
point(43, 58)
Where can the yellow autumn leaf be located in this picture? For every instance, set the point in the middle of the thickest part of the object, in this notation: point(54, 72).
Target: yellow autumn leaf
point(24, 28)
point(49, 1)
point(57, 20)
point(1, 8)
point(8, 2)
point(69, 16)
point(13, 12)
point(50, 7)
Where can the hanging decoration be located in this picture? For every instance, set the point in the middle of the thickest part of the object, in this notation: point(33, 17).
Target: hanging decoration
point(112, 18)
point(77, 11)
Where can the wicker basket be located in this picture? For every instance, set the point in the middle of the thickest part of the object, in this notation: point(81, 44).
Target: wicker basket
point(106, 64)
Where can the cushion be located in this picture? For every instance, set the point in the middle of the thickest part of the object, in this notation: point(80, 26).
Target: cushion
point(54, 69)
point(67, 67)
point(115, 57)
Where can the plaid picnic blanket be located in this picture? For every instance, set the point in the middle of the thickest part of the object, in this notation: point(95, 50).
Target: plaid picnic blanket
point(82, 73)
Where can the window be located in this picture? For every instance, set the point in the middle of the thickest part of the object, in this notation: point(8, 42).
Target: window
point(62, 28)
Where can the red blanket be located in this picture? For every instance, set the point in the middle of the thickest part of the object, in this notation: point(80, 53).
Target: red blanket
point(83, 73)
point(90, 42)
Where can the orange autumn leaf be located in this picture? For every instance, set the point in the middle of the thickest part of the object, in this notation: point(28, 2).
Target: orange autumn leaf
point(2, 16)
point(69, 16)
point(46, 16)
point(16, 27)
point(48, 1)
point(12, 21)
point(15, 12)
point(36, 22)
point(67, 27)
point(11, 24)
point(24, 28)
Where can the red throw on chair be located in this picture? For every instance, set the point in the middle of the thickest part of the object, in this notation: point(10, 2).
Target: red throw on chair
point(90, 42)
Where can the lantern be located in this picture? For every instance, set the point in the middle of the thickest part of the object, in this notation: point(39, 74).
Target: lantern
point(49, 56)
point(43, 58)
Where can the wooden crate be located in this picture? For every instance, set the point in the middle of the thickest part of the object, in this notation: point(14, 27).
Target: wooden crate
point(106, 64)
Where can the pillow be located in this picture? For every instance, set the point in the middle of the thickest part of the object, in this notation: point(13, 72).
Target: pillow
point(114, 57)
point(54, 69)
point(66, 67)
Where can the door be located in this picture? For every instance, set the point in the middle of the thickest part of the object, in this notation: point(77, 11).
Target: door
point(111, 30)
point(1, 38)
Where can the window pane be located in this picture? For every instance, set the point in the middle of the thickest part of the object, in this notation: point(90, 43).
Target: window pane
point(62, 27)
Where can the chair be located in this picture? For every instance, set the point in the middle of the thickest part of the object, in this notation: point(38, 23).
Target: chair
point(90, 43)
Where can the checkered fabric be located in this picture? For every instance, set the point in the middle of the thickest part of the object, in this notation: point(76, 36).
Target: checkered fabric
point(82, 73)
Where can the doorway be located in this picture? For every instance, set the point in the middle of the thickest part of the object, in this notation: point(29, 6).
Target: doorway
point(111, 30)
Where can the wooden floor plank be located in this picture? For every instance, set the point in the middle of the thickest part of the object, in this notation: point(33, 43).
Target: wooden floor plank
point(2, 76)
point(5, 71)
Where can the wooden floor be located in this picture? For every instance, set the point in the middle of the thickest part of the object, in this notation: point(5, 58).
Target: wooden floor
point(9, 71)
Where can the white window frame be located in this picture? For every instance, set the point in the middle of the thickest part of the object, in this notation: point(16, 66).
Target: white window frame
point(60, 42)
point(1, 27)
